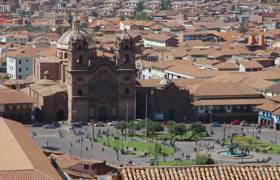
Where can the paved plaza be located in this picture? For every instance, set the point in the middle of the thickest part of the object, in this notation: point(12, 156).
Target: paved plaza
point(63, 140)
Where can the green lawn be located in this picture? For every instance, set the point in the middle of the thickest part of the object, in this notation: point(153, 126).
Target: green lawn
point(140, 146)
point(176, 163)
point(253, 144)
point(189, 136)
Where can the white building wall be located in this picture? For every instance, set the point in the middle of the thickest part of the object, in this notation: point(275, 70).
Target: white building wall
point(149, 43)
point(11, 67)
point(19, 67)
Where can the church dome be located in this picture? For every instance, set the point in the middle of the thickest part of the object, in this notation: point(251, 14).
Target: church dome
point(75, 34)
point(46, 81)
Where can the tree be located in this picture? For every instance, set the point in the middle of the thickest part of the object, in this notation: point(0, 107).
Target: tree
point(121, 126)
point(197, 127)
point(142, 16)
point(165, 4)
point(153, 127)
point(178, 129)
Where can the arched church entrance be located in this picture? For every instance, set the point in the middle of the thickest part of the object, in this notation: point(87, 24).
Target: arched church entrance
point(60, 115)
point(103, 114)
point(171, 114)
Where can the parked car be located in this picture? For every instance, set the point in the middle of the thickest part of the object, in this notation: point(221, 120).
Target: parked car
point(56, 124)
point(37, 124)
point(244, 123)
point(258, 126)
point(49, 126)
point(235, 122)
point(112, 123)
point(99, 124)
point(215, 124)
point(76, 125)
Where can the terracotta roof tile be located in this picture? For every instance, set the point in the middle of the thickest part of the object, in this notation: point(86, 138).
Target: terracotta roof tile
point(11, 96)
point(217, 172)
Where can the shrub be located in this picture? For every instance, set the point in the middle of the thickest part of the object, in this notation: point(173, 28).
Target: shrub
point(202, 159)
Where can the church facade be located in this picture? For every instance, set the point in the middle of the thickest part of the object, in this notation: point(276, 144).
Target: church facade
point(97, 87)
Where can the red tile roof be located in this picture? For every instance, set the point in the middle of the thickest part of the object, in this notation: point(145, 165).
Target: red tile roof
point(29, 174)
point(11, 96)
point(213, 172)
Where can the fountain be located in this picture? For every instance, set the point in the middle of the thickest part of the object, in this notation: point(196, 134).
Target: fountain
point(232, 152)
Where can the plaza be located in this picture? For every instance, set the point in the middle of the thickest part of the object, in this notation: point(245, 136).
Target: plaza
point(65, 141)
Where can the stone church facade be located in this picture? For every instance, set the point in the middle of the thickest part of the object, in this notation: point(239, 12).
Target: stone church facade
point(97, 87)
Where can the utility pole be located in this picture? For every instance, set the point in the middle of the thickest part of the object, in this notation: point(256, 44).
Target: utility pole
point(146, 116)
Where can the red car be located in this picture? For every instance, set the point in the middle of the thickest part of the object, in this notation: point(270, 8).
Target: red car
point(235, 122)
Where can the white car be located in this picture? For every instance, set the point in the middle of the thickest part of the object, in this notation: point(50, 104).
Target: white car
point(112, 123)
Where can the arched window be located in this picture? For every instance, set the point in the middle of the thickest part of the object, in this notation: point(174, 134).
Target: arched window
point(80, 92)
point(126, 59)
point(80, 59)
point(126, 91)
point(65, 55)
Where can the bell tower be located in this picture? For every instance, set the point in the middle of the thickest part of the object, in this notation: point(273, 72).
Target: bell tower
point(125, 51)
point(124, 58)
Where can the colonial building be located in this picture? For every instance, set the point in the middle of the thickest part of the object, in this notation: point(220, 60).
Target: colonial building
point(96, 87)
point(163, 99)
point(15, 104)
point(224, 102)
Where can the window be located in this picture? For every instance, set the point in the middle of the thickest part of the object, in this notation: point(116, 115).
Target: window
point(19, 77)
point(19, 69)
point(86, 166)
point(65, 55)
point(126, 91)
point(126, 59)
point(26, 60)
point(80, 92)
point(80, 79)
point(19, 61)
point(26, 69)
point(80, 59)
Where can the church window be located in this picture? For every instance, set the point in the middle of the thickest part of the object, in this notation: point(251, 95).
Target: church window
point(80, 92)
point(65, 55)
point(126, 59)
point(80, 59)
point(60, 55)
point(126, 91)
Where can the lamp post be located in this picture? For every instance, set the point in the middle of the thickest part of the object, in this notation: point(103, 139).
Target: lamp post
point(146, 116)
point(126, 130)
point(134, 133)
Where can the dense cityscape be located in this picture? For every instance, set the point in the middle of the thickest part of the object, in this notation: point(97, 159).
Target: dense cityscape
point(139, 89)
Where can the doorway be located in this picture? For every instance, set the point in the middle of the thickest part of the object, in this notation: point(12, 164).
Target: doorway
point(103, 114)
point(60, 115)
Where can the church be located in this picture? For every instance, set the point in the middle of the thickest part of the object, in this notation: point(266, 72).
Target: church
point(78, 85)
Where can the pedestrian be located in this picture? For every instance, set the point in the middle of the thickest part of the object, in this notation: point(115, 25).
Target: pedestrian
point(102, 149)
